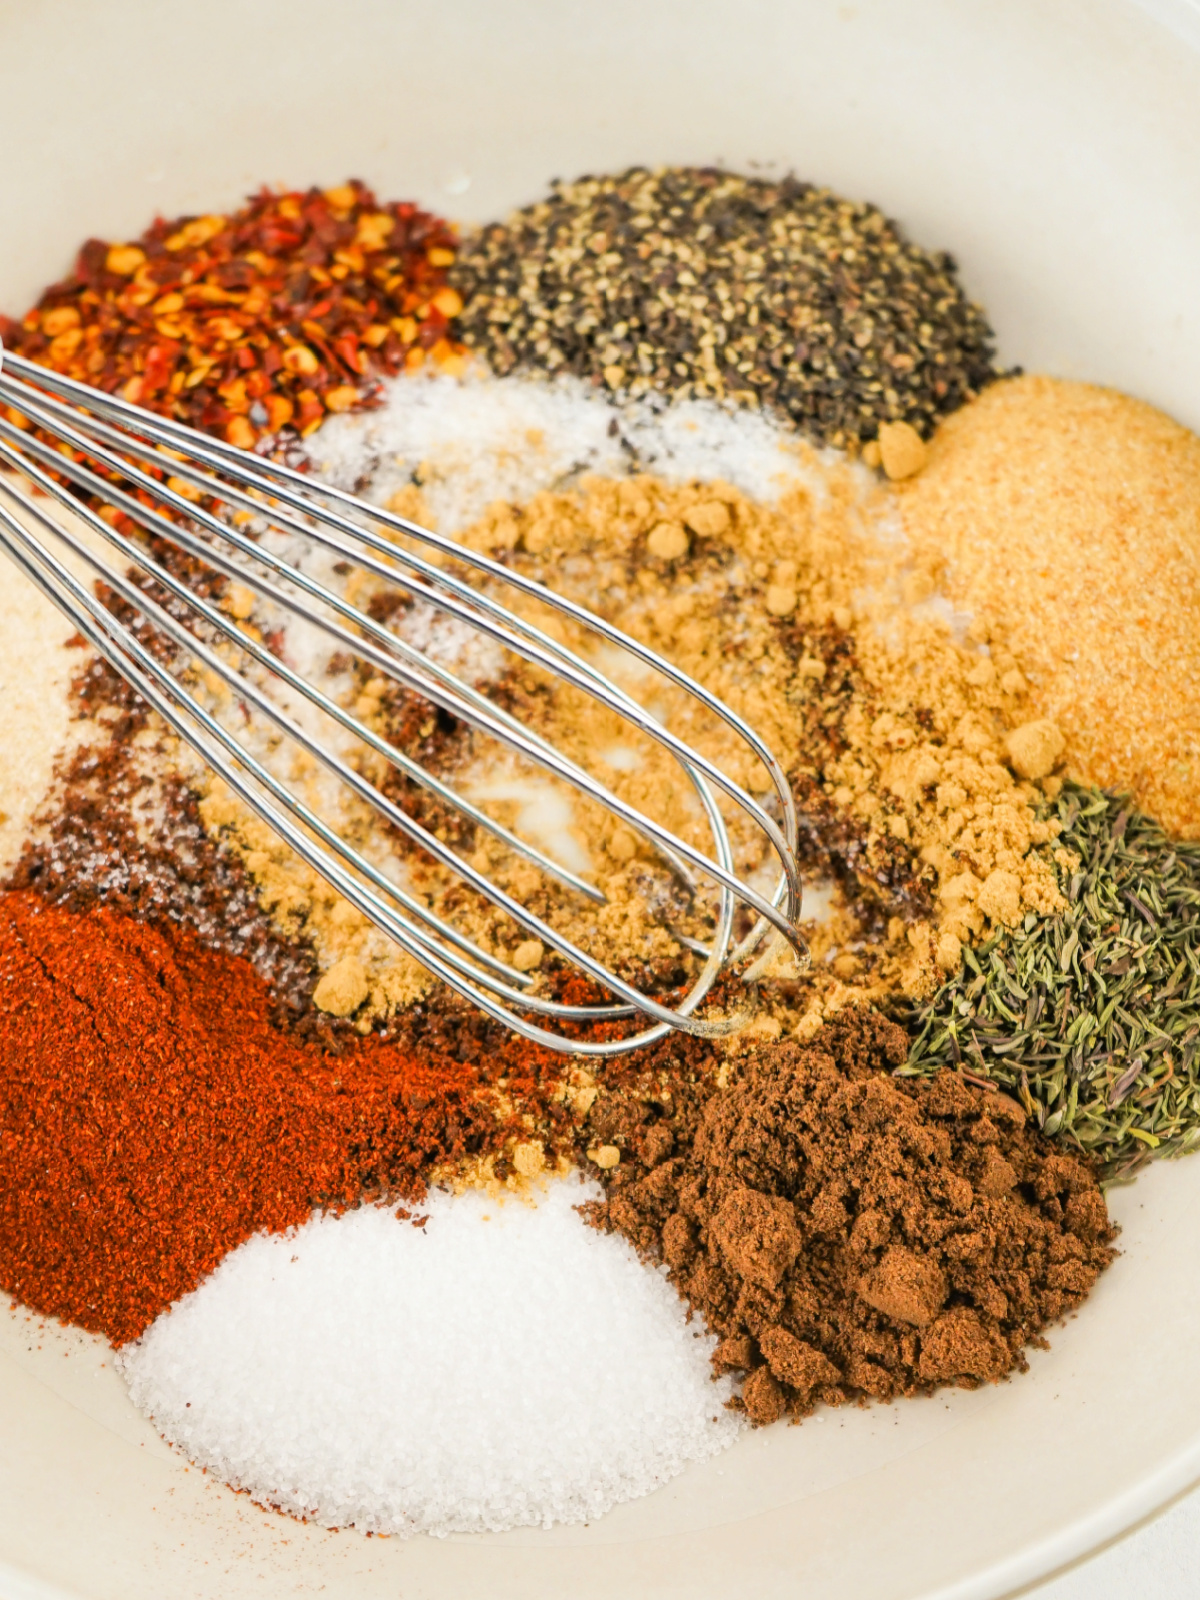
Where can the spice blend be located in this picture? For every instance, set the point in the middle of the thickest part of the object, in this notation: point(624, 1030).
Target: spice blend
point(851, 1235)
point(199, 1041)
point(688, 281)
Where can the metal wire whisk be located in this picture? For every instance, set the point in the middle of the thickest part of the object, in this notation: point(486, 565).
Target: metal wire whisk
point(79, 448)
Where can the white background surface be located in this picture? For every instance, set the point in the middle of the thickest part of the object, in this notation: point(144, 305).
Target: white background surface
point(1158, 1561)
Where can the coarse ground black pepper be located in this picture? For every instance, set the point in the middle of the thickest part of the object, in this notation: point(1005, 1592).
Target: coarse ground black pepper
point(690, 281)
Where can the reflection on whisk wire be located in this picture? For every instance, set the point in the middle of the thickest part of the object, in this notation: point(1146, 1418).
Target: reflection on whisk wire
point(80, 447)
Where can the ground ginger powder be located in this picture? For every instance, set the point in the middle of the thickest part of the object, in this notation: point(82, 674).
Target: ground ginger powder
point(795, 614)
point(913, 757)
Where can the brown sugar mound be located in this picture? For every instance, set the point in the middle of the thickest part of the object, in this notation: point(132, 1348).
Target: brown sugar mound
point(848, 1234)
point(1066, 518)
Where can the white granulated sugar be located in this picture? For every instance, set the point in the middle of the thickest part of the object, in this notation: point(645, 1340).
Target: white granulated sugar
point(504, 1366)
point(476, 439)
point(700, 440)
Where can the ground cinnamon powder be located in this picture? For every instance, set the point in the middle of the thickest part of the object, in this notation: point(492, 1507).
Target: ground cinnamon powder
point(152, 1116)
point(849, 1234)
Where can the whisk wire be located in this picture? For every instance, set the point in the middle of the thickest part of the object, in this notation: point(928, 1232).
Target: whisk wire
point(449, 692)
point(224, 457)
point(285, 501)
point(187, 641)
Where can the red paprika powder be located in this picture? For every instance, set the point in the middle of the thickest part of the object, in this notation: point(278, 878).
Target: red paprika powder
point(152, 1117)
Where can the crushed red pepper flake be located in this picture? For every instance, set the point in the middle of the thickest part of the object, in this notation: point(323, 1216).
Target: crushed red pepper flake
point(261, 321)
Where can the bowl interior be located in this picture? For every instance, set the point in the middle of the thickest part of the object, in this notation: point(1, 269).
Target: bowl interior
point(1053, 146)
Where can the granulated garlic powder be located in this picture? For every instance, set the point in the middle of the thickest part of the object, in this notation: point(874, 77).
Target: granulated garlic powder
point(1066, 518)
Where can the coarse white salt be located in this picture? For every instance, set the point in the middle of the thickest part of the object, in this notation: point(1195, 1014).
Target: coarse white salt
point(503, 1366)
point(472, 440)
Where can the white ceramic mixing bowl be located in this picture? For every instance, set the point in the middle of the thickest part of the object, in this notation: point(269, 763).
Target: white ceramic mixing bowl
point(1054, 147)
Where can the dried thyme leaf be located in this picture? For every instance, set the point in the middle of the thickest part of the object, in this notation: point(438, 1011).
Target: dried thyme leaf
point(1092, 1016)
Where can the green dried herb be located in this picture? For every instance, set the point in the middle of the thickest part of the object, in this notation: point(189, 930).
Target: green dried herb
point(692, 282)
point(1092, 1016)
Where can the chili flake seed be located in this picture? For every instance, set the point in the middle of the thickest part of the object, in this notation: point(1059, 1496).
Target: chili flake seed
point(697, 283)
point(270, 318)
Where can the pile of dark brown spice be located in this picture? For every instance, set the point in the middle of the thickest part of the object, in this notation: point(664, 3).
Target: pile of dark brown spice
point(692, 282)
point(848, 1234)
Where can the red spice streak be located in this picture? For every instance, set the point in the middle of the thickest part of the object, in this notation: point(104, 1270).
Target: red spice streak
point(152, 1118)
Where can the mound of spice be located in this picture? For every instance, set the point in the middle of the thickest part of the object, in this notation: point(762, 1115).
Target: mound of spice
point(695, 282)
point(266, 319)
point(899, 742)
point(1065, 517)
point(152, 1117)
point(1092, 1015)
point(850, 1234)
